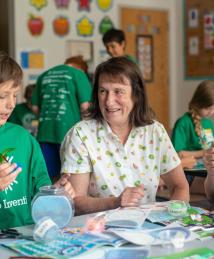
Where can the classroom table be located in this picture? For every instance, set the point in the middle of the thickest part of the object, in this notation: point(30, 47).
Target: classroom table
point(79, 221)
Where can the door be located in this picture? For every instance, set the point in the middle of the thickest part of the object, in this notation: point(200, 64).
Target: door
point(147, 39)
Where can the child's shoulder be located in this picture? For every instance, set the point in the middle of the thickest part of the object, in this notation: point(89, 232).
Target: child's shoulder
point(16, 130)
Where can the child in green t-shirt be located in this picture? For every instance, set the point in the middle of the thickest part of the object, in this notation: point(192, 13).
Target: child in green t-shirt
point(22, 166)
point(115, 43)
point(23, 114)
point(194, 131)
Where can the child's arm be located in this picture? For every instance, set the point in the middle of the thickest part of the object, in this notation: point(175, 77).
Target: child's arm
point(209, 181)
point(195, 154)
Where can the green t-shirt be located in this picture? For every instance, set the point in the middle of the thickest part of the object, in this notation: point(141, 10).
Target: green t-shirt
point(59, 93)
point(184, 136)
point(131, 58)
point(24, 116)
point(15, 200)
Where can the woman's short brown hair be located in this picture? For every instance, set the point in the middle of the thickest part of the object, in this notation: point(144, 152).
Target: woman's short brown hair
point(10, 70)
point(119, 69)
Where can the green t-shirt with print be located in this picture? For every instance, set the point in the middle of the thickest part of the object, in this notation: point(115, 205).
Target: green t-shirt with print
point(24, 116)
point(59, 93)
point(15, 200)
point(184, 136)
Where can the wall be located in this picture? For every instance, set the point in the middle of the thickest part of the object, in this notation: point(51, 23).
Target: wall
point(180, 91)
point(4, 37)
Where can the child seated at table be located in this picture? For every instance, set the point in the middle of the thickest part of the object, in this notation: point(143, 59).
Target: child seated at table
point(22, 166)
point(194, 131)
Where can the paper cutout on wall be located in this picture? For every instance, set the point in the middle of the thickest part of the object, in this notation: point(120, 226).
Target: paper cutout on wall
point(209, 31)
point(32, 59)
point(104, 5)
point(61, 25)
point(193, 18)
point(85, 26)
point(38, 4)
point(193, 46)
point(62, 3)
point(35, 25)
point(145, 56)
point(84, 5)
point(131, 28)
point(103, 55)
point(105, 25)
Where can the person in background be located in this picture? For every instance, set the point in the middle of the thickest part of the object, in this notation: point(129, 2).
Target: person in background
point(22, 166)
point(115, 43)
point(209, 181)
point(61, 97)
point(194, 131)
point(77, 62)
point(117, 156)
point(23, 114)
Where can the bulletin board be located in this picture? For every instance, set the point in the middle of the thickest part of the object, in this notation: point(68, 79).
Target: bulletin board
point(199, 39)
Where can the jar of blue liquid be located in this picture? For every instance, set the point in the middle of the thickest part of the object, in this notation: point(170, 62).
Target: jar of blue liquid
point(55, 203)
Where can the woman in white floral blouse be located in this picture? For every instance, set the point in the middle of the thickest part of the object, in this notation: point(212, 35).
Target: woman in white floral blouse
point(116, 157)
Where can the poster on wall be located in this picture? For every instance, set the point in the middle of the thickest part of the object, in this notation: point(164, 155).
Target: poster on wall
point(193, 46)
point(209, 31)
point(32, 59)
point(145, 56)
point(193, 18)
point(80, 48)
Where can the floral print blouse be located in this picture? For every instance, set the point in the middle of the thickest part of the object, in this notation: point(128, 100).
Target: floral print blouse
point(91, 147)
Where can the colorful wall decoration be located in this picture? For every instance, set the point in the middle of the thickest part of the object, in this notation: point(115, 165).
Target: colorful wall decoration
point(35, 25)
point(145, 56)
point(38, 4)
point(62, 3)
point(104, 5)
point(105, 25)
point(61, 25)
point(83, 5)
point(33, 59)
point(198, 39)
point(85, 26)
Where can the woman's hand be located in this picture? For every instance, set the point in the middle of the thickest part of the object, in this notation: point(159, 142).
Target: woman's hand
point(8, 173)
point(64, 181)
point(131, 196)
